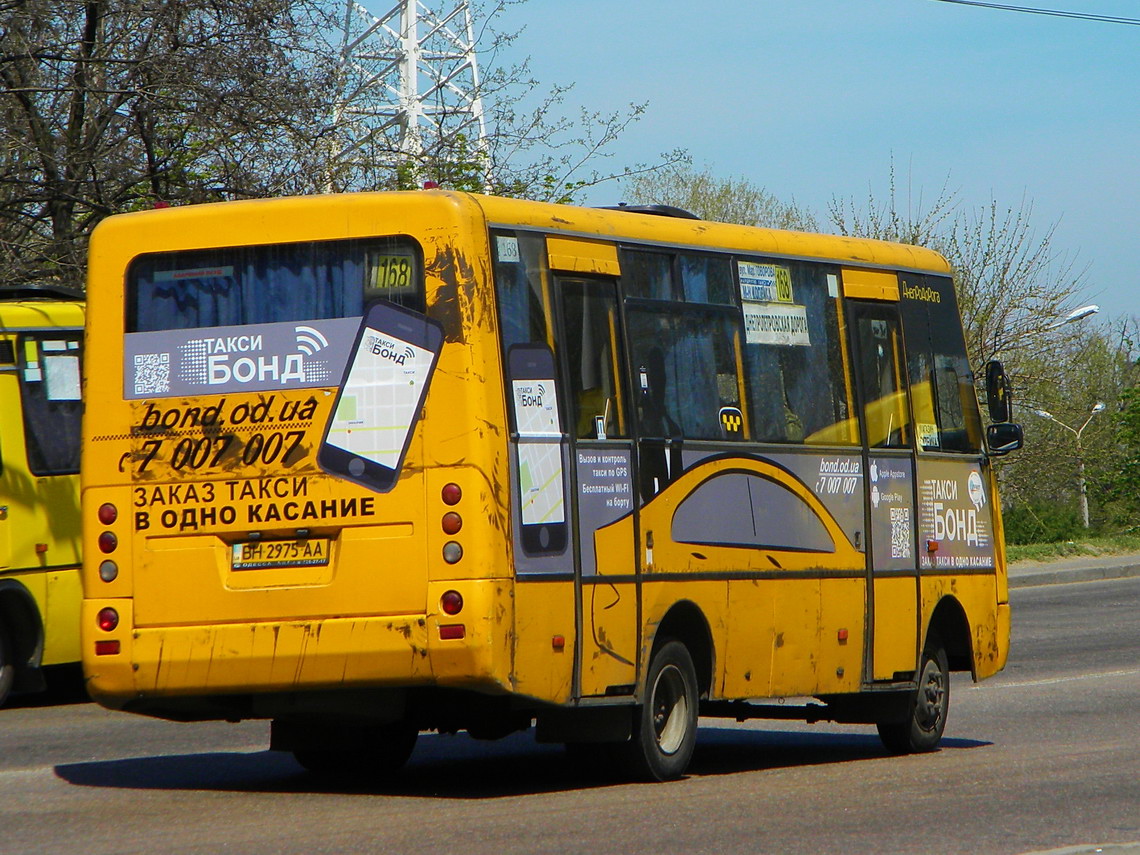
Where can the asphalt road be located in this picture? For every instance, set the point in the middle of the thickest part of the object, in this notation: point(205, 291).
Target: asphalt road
point(1045, 756)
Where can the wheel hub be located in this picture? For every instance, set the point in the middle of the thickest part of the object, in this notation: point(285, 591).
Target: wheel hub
point(670, 710)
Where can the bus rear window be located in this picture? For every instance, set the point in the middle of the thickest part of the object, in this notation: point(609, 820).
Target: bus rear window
point(236, 286)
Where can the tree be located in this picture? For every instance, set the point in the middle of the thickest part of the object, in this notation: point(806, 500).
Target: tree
point(1014, 287)
point(1125, 488)
point(114, 105)
point(725, 200)
point(1087, 393)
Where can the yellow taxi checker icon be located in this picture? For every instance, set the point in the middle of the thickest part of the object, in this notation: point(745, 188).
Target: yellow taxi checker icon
point(731, 420)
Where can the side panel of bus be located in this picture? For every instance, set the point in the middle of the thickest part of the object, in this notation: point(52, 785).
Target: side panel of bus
point(829, 612)
point(40, 407)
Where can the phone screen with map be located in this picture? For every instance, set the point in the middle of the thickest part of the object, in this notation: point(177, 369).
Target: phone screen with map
point(381, 396)
point(534, 398)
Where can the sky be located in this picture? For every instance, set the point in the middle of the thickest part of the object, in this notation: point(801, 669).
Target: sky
point(812, 99)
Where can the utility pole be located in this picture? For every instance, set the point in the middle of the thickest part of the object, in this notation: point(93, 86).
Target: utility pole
point(410, 84)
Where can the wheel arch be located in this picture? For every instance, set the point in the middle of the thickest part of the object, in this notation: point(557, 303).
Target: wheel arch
point(20, 622)
point(686, 623)
point(949, 624)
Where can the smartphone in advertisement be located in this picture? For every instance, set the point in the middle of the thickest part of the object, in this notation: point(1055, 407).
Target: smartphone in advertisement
point(534, 399)
point(381, 395)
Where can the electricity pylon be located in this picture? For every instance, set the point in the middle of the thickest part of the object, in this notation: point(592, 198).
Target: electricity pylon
point(409, 82)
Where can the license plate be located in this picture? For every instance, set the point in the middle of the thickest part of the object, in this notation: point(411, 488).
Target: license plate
point(304, 552)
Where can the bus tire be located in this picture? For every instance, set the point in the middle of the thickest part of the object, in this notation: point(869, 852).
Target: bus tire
point(665, 727)
point(921, 730)
point(7, 666)
point(375, 753)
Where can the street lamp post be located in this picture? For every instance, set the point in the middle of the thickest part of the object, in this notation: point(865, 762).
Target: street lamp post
point(1075, 315)
point(1084, 499)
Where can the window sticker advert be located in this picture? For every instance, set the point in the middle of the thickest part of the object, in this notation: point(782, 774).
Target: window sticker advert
point(225, 360)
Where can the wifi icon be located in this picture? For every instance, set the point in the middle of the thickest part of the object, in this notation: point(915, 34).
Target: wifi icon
point(310, 340)
point(409, 353)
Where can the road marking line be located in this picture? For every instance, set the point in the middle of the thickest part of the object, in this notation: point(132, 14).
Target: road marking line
point(1129, 673)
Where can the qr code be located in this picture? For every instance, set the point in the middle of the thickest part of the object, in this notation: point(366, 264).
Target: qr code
point(900, 532)
point(152, 373)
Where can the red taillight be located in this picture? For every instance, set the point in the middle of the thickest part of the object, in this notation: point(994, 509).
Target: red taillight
point(452, 631)
point(451, 494)
point(451, 602)
point(108, 542)
point(107, 619)
point(109, 647)
point(452, 522)
point(108, 513)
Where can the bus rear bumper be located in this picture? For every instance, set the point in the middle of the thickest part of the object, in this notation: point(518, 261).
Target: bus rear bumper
point(290, 657)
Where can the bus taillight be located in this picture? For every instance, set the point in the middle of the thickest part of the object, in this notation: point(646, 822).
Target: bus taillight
point(108, 542)
point(451, 602)
point(451, 494)
point(108, 513)
point(452, 522)
point(107, 619)
point(108, 571)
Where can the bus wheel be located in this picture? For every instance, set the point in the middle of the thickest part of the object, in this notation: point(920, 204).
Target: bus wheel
point(371, 753)
point(665, 729)
point(7, 666)
point(926, 713)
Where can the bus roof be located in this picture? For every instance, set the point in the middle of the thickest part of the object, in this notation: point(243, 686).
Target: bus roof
point(37, 314)
point(353, 215)
point(644, 227)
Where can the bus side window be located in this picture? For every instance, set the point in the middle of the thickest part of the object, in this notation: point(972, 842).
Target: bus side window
point(684, 341)
point(593, 355)
point(50, 393)
point(796, 379)
point(884, 393)
point(521, 288)
point(684, 367)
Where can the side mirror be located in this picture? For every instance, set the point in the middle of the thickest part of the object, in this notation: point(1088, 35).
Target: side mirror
point(1003, 438)
point(997, 392)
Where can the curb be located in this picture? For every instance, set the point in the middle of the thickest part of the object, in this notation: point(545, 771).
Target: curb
point(1035, 575)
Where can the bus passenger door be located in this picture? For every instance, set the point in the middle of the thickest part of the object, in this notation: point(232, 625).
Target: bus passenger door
point(602, 462)
point(889, 491)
